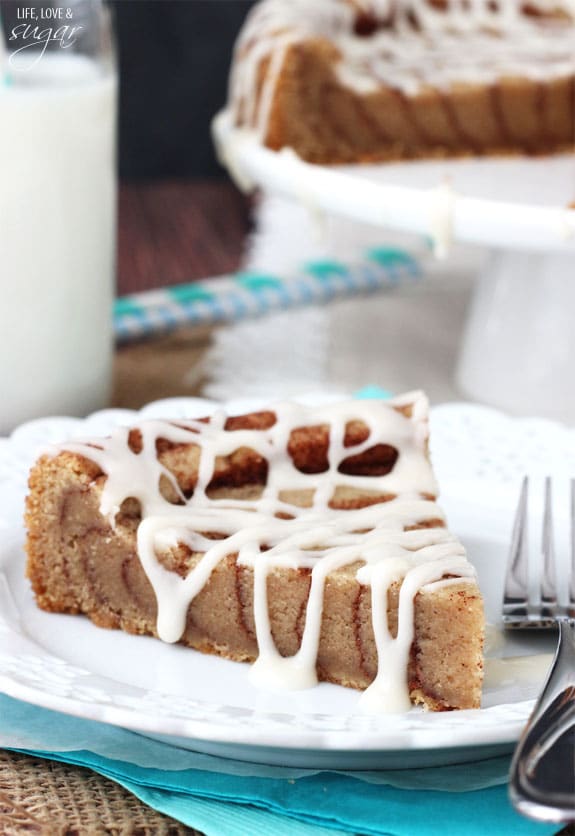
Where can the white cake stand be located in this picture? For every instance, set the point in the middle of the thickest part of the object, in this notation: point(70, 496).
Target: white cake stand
point(518, 351)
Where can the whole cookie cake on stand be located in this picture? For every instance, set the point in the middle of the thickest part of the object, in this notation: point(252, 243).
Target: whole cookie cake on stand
point(363, 80)
point(450, 120)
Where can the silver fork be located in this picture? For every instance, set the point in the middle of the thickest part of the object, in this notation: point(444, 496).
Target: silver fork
point(542, 778)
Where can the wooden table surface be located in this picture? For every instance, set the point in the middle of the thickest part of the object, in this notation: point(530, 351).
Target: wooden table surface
point(172, 232)
point(176, 231)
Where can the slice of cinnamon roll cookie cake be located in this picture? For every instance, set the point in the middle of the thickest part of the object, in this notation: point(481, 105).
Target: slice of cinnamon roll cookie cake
point(305, 540)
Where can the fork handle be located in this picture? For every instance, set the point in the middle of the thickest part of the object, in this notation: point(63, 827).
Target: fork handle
point(542, 780)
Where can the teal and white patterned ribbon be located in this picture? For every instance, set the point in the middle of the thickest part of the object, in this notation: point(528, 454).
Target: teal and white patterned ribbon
point(252, 294)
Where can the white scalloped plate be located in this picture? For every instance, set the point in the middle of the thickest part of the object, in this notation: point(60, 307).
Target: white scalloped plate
point(205, 703)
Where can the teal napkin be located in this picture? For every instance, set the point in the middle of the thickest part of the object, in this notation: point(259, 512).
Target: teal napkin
point(219, 796)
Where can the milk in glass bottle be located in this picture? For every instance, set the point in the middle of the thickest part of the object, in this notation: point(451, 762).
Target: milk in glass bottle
point(57, 208)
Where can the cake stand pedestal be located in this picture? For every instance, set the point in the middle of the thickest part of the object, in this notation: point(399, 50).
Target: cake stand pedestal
point(518, 349)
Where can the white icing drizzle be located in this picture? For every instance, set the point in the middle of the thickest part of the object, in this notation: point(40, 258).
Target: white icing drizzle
point(441, 220)
point(501, 41)
point(319, 537)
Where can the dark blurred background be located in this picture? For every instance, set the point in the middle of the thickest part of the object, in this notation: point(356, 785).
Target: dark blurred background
point(180, 217)
point(174, 61)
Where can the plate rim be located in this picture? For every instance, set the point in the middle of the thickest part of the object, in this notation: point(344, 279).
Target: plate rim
point(195, 730)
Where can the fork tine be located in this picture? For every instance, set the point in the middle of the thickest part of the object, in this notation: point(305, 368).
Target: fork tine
point(516, 591)
point(571, 605)
point(548, 584)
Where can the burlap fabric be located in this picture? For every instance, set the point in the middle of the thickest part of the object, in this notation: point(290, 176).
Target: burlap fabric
point(54, 799)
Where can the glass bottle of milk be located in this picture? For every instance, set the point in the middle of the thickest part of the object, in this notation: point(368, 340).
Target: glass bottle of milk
point(57, 208)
